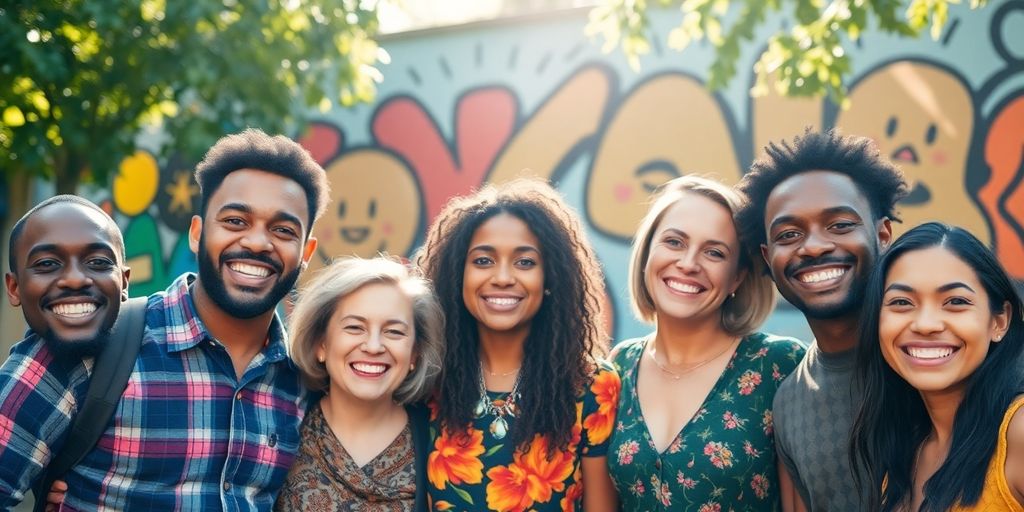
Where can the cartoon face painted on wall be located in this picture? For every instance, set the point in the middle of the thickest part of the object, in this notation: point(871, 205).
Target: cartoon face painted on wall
point(667, 127)
point(921, 117)
point(375, 207)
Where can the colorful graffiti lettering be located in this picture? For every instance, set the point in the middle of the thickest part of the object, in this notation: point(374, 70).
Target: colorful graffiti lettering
point(608, 138)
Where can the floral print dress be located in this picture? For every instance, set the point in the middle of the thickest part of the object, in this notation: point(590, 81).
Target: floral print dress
point(724, 457)
point(481, 472)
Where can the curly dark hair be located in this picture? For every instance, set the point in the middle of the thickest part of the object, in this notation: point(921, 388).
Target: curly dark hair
point(566, 335)
point(878, 179)
point(254, 149)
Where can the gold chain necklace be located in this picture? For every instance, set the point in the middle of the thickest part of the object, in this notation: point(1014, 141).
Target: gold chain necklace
point(679, 375)
point(493, 374)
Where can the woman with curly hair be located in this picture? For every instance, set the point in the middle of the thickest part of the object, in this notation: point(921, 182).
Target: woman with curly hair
point(524, 407)
point(694, 429)
point(940, 426)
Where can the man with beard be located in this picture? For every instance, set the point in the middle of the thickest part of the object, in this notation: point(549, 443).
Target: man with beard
point(210, 419)
point(820, 210)
point(67, 274)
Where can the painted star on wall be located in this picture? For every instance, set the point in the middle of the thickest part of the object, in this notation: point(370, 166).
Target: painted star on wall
point(181, 191)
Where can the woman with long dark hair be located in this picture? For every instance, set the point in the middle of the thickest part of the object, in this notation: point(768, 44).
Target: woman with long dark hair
point(939, 358)
point(524, 407)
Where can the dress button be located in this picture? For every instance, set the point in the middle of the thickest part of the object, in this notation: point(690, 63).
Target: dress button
point(227, 486)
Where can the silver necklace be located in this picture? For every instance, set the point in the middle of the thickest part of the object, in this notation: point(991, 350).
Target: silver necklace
point(498, 408)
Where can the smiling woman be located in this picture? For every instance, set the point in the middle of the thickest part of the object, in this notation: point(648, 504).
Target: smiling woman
point(940, 348)
point(525, 406)
point(369, 334)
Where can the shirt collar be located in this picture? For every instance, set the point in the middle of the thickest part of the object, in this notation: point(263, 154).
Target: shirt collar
point(185, 329)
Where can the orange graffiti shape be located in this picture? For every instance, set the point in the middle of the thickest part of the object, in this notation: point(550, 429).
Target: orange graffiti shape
point(1004, 154)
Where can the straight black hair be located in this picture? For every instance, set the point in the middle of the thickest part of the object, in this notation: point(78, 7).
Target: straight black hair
point(893, 423)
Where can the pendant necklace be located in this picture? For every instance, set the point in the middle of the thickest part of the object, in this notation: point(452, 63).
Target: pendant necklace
point(498, 408)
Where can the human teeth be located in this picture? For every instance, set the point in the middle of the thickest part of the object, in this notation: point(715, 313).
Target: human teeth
point(929, 352)
point(503, 301)
point(822, 275)
point(251, 270)
point(78, 309)
point(682, 287)
point(376, 369)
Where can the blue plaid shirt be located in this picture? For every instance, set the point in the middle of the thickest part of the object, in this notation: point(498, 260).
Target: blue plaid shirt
point(187, 434)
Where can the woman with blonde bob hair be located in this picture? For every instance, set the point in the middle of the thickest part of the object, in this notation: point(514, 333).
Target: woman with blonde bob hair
point(699, 389)
point(369, 333)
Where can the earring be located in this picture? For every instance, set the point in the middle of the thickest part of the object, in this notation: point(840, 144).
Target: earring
point(547, 291)
point(412, 367)
point(320, 358)
point(732, 295)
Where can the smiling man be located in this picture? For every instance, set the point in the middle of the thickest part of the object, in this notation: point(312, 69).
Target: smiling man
point(820, 210)
point(210, 418)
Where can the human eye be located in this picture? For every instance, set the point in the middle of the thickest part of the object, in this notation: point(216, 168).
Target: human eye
point(786, 237)
point(673, 241)
point(844, 225)
point(958, 301)
point(716, 254)
point(45, 265)
point(526, 263)
point(898, 302)
point(101, 263)
point(233, 221)
point(286, 231)
point(482, 261)
point(394, 333)
point(353, 328)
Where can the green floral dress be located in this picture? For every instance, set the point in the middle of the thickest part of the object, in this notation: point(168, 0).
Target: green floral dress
point(724, 458)
point(479, 471)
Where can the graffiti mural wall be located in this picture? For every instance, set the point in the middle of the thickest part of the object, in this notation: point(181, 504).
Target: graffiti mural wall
point(489, 102)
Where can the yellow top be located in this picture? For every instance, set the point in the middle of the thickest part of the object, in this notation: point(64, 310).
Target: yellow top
point(996, 496)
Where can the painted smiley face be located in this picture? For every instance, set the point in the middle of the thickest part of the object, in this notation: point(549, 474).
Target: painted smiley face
point(375, 207)
point(922, 118)
point(667, 127)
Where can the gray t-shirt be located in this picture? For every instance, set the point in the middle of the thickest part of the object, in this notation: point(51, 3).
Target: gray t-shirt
point(814, 411)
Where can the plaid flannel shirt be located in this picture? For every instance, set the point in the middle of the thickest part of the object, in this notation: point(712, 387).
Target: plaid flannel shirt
point(187, 434)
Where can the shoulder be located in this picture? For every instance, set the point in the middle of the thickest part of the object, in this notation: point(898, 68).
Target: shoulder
point(1013, 425)
point(626, 350)
point(778, 347)
point(33, 363)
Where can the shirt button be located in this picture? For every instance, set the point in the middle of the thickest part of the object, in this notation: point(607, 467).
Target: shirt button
point(657, 464)
point(239, 395)
point(272, 441)
point(227, 486)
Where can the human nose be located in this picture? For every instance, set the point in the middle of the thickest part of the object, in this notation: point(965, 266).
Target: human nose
point(503, 275)
point(927, 321)
point(373, 344)
point(688, 262)
point(815, 244)
point(74, 277)
point(257, 240)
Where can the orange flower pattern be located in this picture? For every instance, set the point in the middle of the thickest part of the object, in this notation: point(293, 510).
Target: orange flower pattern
point(724, 458)
point(529, 479)
point(456, 459)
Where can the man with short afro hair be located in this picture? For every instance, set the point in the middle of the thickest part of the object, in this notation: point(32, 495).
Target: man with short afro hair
point(820, 210)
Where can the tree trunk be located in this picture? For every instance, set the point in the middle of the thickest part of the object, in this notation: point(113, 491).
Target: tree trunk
point(19, 189)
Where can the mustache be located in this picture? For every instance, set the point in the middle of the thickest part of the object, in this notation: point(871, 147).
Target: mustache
point(793, 268)
point(74, 294)
point(248, 255)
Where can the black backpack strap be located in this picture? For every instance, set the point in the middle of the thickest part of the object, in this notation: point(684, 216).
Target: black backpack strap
point(419, 423)
point(109, 379)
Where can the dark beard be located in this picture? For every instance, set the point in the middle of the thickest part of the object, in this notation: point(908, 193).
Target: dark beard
point(213, 283)
point(76, 348)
